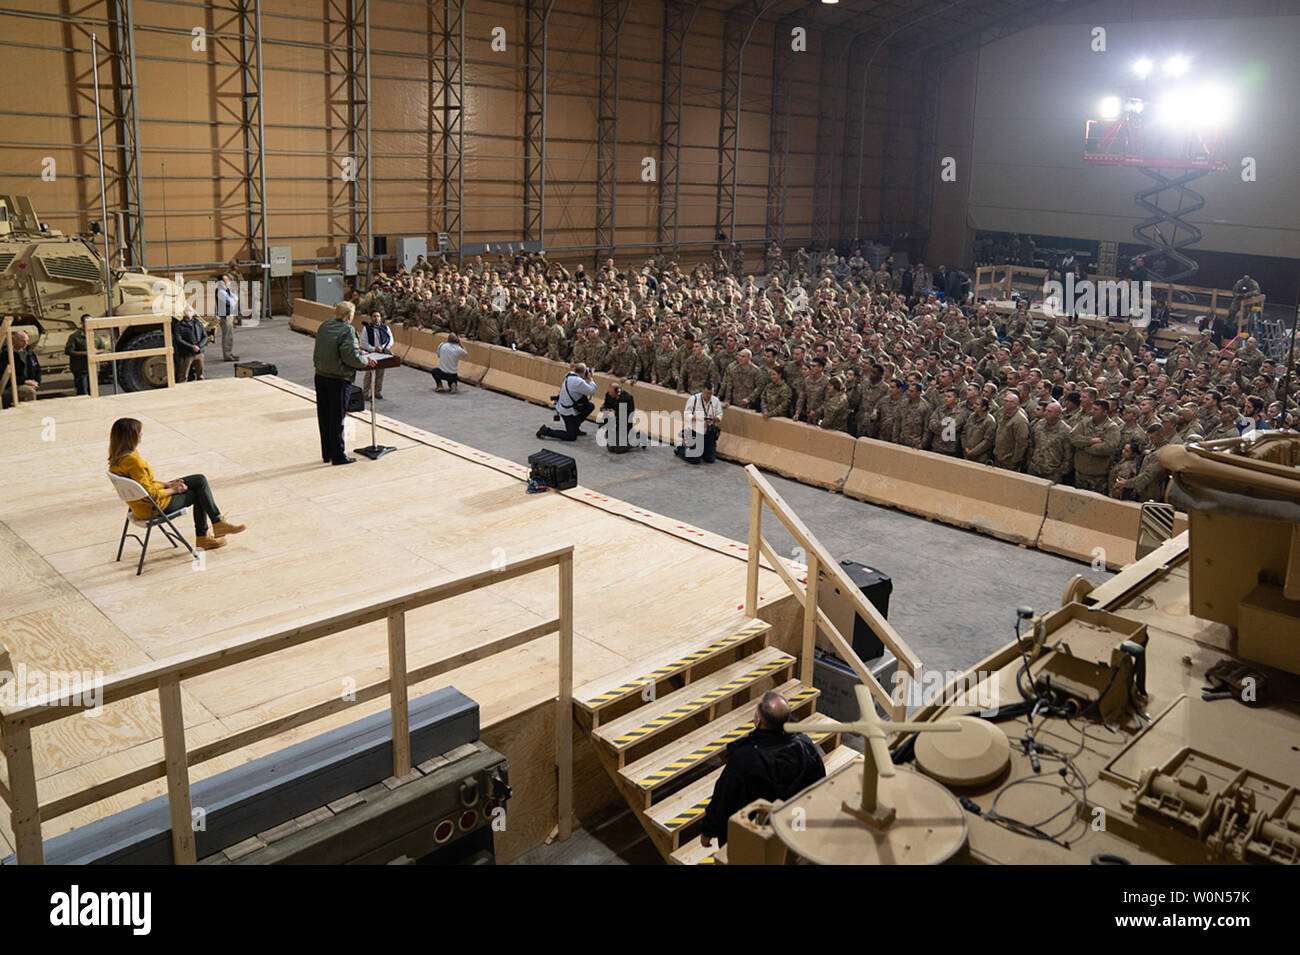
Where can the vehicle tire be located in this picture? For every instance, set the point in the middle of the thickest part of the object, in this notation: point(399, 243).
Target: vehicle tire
point(142, 374)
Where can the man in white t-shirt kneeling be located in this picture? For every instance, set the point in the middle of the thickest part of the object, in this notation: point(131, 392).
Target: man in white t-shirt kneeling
point(447, 373)
point(703, 418)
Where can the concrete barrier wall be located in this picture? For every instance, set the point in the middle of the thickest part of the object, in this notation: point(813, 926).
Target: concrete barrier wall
point(1014, 507)
point(308, 315)
point(1077, 523)
point(522, 375)
point(797, 451)
point(987, 499)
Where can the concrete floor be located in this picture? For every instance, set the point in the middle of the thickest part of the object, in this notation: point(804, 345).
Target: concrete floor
point(955, 591)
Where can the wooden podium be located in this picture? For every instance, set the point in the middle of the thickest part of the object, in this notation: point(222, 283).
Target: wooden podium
point(375, 451)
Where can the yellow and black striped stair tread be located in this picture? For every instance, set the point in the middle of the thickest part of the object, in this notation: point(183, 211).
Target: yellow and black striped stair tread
point(653, 718)
point(606, 691)
point(688, 804)
point(666, 763)
point(694, 853)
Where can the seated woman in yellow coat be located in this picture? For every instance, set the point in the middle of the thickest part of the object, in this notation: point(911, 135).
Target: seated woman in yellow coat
point(189, 491)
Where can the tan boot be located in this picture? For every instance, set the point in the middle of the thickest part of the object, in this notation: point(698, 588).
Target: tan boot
point(208, 542)
point(222, 527)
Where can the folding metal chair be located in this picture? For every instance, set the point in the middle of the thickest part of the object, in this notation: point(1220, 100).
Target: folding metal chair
point(129, 490)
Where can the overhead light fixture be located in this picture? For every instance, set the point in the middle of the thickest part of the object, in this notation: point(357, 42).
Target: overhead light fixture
point(1174, 66)
point(1109, 107)
point(1134, 105)
point(830, 3)
point(1142, 68)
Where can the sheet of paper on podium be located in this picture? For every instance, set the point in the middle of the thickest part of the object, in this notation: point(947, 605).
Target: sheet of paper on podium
point(382, 359)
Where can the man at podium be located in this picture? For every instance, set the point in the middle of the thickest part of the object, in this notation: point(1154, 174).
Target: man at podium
point(337, 358)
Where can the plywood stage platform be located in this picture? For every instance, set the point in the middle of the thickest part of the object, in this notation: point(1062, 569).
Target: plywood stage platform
point(319, 538)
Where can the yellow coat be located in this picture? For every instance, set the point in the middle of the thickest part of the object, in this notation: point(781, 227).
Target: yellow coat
point(133, 466)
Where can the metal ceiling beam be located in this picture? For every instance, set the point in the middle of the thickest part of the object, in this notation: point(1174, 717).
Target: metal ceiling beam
point(130, 180)
point(537, 17)
point(612, 15)
point(254, 135)
point(778, 153)
point(447, 120)
point(358, 130)
point(678, 20)
point(740, 24)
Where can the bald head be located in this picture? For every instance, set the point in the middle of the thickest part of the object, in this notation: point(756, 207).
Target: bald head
point(773, 711)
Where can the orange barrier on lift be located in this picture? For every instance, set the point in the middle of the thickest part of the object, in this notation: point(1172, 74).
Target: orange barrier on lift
point(1002, 503)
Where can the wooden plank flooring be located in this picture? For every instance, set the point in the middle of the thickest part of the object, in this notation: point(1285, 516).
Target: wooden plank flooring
point(319, 539)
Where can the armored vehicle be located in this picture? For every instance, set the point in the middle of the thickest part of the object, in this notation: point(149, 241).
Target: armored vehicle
point(48, 280)
point(1153, 718)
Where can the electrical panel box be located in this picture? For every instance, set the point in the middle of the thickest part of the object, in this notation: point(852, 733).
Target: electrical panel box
point(409, 247)
point(348, 258)
point(325, 286)
point(281, 261)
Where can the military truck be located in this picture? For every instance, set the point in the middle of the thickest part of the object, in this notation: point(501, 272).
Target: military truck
point(48, 280)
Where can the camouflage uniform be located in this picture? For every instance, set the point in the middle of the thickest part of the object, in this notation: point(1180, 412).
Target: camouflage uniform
point(1050, 454)
point(624, 362)
point(835, 412)
point(1012, 441)
point(741, 384)
point(912, 419)
point(557, 345)
point(944, 422)
point(663, 365)
point(1092, 461)
point(868, 402)
point(812, 398)
point(978, 435)
point(696, 372)
point(775, 399)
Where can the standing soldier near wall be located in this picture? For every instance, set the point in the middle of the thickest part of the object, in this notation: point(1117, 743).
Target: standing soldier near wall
point(1012, 439)
point(1095, 441)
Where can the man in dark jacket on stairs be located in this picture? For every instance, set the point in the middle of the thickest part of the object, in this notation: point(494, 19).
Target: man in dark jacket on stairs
point(767, 764)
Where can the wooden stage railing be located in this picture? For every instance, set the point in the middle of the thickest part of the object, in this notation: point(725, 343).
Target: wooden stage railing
point(26, 813)
point(820, 561)
point(94, 356)
point(1002, 279)
point(9, 377)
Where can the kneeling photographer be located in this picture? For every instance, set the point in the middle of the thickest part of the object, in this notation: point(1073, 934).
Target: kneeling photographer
point(703, 417)
point(617, 433)
point(572, 404)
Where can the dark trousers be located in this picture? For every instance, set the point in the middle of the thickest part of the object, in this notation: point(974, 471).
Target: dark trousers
point(197, 495)
point(696, 448)
point(571, 425)
point(331, 408)
point(81, 381)
point(444, 378)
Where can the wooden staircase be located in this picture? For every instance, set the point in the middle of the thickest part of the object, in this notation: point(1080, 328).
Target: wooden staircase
point(662, 733)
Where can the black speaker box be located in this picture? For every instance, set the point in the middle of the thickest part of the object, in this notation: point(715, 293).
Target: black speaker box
point(356, 400)
point(251, 369)
point(554, 469)
point(876, 587)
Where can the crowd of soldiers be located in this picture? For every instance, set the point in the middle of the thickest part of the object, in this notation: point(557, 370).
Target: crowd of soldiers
point(838, 344)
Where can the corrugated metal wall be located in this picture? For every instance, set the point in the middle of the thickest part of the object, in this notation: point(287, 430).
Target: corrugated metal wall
point(189, 104)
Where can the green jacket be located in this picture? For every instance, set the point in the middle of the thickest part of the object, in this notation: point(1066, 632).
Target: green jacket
point(77, 342)
point(338, 353)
